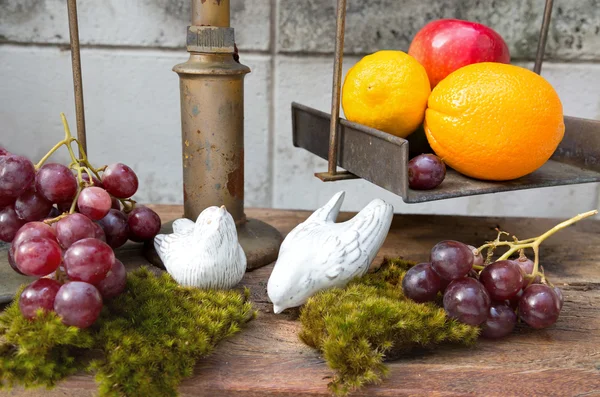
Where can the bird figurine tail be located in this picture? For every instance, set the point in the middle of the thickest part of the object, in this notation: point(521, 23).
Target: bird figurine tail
point(330, 211)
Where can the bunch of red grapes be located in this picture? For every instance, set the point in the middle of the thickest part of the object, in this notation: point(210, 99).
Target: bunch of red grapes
point(63, 223)
point(484, 295)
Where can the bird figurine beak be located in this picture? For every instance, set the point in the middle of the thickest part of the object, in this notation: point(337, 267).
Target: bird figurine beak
point(277, 309)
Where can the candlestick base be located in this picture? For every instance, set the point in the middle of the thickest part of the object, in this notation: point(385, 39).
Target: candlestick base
point(259, 240)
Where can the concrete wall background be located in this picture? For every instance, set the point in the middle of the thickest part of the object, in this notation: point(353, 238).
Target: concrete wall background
point(132, 99)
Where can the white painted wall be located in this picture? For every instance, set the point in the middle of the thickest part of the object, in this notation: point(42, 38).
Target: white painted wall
point(132, 105)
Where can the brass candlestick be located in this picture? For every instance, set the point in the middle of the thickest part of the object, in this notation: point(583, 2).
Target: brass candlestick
point(212, 125)
point(212, 114)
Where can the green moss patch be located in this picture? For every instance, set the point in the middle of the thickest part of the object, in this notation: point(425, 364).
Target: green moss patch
point(357, 327)
point(146, 340)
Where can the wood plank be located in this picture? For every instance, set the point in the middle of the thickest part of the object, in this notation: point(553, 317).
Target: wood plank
point(267, 359)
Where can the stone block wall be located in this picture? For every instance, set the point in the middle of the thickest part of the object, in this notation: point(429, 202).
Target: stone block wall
point(132, 98)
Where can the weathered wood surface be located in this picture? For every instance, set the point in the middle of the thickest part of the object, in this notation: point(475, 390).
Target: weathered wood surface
point(267, 359)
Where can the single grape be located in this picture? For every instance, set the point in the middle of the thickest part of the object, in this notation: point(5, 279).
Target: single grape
point(501, 321)
point(115, 281)
point(115, 203)
point(56, 183)
point(144, 224)
point(16, 176)
point(11, 260)
point(38, 256)
point(526, 266)
point(477, 257)
point(421, 283)
point(38, 295)
point(88, 260)
point(73, 228)
point(94, 203)
point(115, 228)
point(9, 224)
point(425, 172)
point(99, 232)
point(31, 206)
point(31, 230)
point(4, 152)
point(538, 306)
point(502, 279)
point(78, 304)
point(120, 180)
point(86, 178)
point(467, 300)
point(451, 260)
point(560, 298)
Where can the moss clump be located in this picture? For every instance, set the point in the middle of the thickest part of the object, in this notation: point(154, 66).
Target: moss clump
point(357, 327)
point(38, 353)
point(150, 338)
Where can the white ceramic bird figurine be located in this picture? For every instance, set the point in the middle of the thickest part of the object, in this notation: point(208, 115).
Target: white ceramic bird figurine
point(320, 254)
point(205, 253)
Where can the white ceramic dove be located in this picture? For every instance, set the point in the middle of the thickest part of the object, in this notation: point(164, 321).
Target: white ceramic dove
point(320, 254)
point(205, 253)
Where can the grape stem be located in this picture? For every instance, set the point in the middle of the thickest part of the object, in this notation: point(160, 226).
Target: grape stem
point(533, 243)
point(128, 205)
point(80, 165)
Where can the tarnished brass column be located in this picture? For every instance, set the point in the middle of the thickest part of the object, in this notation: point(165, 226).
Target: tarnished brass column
point(212, 128)
point(212, 114)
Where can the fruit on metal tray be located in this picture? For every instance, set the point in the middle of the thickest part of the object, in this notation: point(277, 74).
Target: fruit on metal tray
point(388, 91)
point(425, 172)
point(446, 45)
point(494, 121)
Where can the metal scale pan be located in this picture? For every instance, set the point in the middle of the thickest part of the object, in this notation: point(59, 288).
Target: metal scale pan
point(382, 158)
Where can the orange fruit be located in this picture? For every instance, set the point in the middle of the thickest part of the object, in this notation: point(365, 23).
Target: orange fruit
point(494, 121)
point(388, 91)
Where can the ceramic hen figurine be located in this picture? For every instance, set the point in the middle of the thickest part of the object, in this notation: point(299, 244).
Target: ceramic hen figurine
point(320, 254)
point(205, 253)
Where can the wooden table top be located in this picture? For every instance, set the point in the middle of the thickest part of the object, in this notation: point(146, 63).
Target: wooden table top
point(268, 359)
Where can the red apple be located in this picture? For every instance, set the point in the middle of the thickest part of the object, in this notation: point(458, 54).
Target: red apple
point(446, 45)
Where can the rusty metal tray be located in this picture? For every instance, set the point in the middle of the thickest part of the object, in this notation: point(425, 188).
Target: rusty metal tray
point(382, 158)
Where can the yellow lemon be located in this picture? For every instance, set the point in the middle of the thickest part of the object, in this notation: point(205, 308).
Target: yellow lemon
point(388, 91)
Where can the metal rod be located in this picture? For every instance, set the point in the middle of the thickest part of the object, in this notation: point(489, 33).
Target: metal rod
point(211, 13)
point(539, 58)
point(77, 81)
point(337, 85)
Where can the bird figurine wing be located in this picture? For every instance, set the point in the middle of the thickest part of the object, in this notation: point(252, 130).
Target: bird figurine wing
point(173, 248)
point(183, 226)
point(340, 260)
point(372, 225)
point(350, 254)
